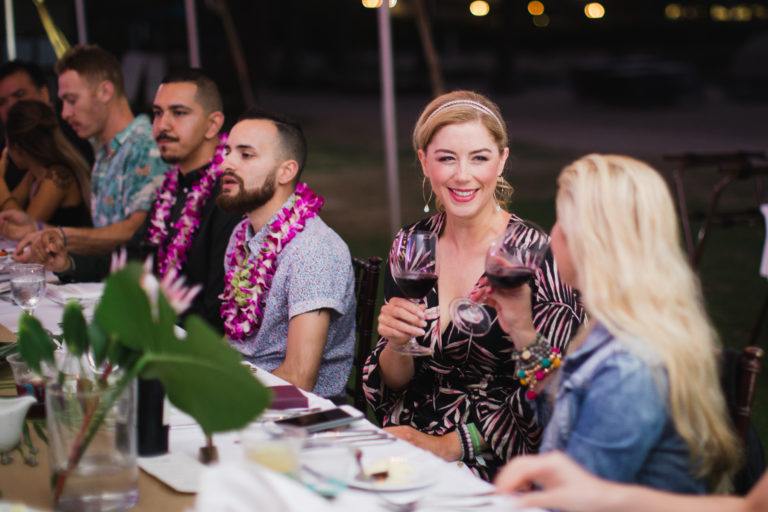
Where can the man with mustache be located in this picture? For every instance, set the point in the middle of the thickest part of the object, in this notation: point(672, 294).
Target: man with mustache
point(127, 166)
point(185, 230)
point(288, 302)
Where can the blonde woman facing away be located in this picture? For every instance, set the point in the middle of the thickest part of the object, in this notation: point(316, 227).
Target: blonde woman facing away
point(462, 403)
point(638, 397)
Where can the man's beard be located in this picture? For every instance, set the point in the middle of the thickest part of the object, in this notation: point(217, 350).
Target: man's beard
point(247, 201)
point(169, 159)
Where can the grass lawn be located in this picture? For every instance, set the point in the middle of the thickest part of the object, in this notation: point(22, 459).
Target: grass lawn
point(353, 181)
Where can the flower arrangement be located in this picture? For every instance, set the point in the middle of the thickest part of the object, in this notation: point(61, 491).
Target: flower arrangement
point(133, 335)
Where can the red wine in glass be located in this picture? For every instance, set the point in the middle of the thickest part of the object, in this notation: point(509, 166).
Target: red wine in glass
point(502, 274)
point(416, 285)
point(35, 388)
point(412, 263)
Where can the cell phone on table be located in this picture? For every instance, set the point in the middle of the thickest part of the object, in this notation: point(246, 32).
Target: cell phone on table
point(324, 420)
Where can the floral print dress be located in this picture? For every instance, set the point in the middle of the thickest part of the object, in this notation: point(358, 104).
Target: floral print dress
point(469, 380)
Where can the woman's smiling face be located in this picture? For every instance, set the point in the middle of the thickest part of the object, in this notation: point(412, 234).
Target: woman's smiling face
point(462, 163)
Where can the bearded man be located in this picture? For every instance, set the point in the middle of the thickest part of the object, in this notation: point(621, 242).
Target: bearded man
point(288, 302)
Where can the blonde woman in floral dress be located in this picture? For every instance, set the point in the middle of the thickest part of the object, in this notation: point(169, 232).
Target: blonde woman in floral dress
point(462, 402)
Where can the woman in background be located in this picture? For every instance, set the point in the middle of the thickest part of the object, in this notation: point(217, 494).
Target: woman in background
point(56, 186)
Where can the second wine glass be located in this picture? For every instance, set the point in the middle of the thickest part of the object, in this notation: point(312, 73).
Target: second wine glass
point(511, 261)
point(413, 265)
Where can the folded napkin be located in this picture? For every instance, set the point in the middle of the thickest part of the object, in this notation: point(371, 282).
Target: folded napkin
point(246, 487)
point(287, 396)
point(86, 292)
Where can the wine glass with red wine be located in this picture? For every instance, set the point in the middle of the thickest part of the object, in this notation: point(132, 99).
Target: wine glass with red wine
point(413, 264)
point(511, 261)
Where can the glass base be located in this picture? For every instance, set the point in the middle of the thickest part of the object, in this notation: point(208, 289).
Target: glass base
point(470, 317)
point(99, 502)
point(413, 348)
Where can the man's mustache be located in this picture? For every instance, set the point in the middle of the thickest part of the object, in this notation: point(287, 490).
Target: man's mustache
point(164, 137)
point(234, 176)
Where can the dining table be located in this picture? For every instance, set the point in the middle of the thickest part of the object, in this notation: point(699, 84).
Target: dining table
point(171, 482)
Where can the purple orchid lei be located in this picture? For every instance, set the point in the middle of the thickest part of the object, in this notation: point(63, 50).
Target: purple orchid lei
point(247, 282)
point(173, 255)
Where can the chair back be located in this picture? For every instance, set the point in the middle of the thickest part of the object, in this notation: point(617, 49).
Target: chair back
point(366, 290)
point(739, 372)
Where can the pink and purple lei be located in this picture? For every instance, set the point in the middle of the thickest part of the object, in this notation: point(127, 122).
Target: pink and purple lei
point(173, 255)
point(247, 282)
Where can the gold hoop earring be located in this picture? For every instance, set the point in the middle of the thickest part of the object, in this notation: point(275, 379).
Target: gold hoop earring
point(424, 194)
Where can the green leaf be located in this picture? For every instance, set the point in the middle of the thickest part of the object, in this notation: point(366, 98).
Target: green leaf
point(75, 329)
point(35, 346)
point(99, 342)
point(203, 376)
point(124, 310)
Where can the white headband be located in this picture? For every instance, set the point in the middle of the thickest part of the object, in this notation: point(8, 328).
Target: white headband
point(470, 103)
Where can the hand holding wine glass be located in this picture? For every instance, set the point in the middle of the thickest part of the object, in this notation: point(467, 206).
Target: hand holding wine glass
point(510, 264)
point(413, 265)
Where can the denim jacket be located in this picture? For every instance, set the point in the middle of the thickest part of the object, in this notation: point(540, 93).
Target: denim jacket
point(611, 416)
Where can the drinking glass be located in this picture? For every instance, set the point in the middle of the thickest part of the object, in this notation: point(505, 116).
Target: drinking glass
point(274, 446)
point(107, 475)
point(28, 383)
point(514, 259)
point(413, 265)
point(27, 285)
point(511, 261)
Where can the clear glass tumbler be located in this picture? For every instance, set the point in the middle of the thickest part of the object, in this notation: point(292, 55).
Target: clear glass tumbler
point(106, 476)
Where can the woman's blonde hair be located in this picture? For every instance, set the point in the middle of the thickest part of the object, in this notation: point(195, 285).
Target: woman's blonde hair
point(621, 228)
point(462, 107)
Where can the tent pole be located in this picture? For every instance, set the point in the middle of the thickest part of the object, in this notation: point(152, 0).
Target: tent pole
point(388, 116)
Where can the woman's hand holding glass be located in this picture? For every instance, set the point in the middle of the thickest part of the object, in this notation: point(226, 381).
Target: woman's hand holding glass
point(513, 310)
point(400, 320)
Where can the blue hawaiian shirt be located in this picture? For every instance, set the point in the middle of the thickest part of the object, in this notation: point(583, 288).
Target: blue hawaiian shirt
point(126, 173)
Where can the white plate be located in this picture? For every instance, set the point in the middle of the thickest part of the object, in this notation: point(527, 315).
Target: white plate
point(405, 476)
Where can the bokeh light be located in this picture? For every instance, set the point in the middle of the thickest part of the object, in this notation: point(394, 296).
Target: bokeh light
point(535, 8)
point(594, 10)
point(479, 8)
point(673, 11)
point(541, 21)
point(375, 4)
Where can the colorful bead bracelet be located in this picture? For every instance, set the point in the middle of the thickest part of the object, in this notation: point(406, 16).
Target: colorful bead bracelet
point(534, 363)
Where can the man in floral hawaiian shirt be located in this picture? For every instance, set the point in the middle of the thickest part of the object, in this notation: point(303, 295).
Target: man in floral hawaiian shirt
point(128, 167)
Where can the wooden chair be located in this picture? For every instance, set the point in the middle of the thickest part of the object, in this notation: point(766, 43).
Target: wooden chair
point(366, 290)
point(739, 372)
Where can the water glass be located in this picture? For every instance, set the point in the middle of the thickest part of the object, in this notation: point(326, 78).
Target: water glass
point(106, 477)
point(27, 285)
point(276, 447)
point(28, 383)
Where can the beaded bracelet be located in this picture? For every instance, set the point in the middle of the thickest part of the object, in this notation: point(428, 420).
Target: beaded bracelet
point(534, 363)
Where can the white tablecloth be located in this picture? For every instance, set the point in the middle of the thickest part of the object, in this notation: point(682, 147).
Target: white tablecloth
point(181, 470)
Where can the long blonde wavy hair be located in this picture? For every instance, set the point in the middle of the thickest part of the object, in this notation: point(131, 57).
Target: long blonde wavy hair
point(622, 233)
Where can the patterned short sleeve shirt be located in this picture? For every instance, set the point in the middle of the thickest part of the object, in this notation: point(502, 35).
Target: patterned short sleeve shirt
point(126, 173)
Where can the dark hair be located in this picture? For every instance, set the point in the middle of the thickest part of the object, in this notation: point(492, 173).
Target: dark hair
point(32, 70)
point(93, 63)
point(291, 135)
point(32, 126)
point(207, 91)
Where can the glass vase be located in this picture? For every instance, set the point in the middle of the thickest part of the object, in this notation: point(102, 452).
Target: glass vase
point(92, 447)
